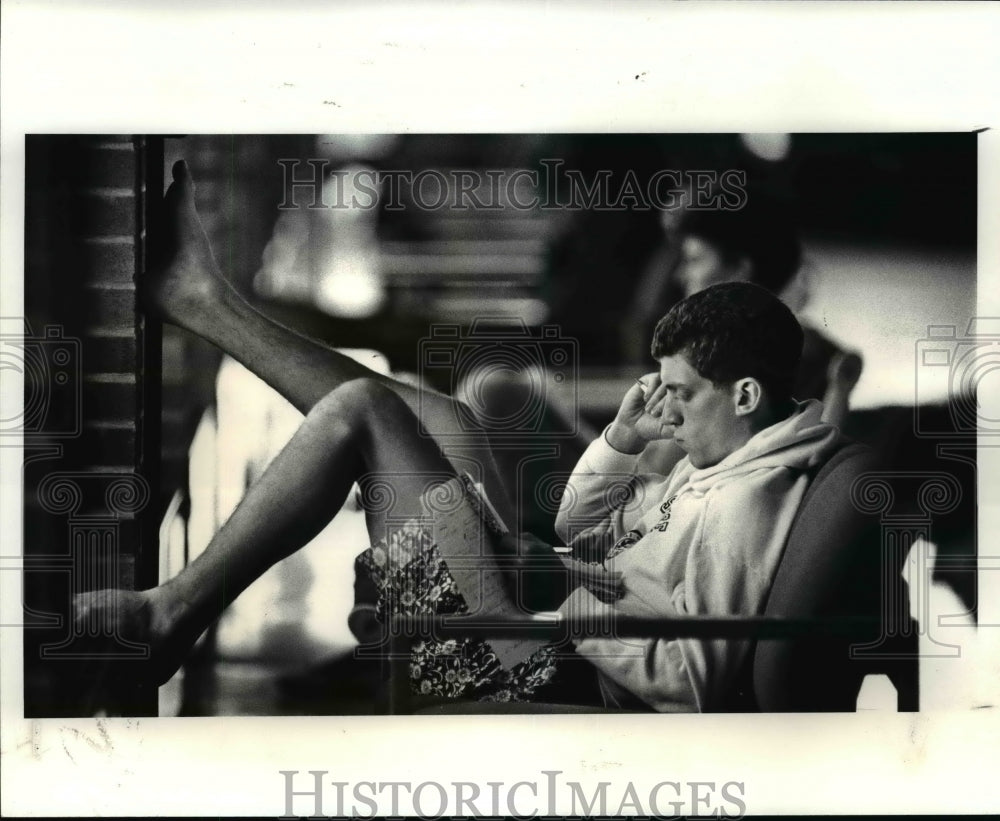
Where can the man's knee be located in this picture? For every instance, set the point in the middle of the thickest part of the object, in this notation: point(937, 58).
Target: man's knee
point(363, 400)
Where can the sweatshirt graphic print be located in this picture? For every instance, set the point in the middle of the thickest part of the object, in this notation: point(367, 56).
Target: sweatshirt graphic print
point(695, 542)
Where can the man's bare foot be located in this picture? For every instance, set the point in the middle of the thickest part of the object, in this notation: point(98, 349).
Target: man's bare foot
point(183, 279)
point(143, 618)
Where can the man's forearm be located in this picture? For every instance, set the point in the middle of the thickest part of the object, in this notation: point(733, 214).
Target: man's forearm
point(624, 439)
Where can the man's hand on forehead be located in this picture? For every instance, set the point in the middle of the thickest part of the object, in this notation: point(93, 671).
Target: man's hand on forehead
point(639, 419)
point(654, 392)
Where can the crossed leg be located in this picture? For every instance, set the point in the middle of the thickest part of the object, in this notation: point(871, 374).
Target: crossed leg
point(188, 290)
point(360, 426)
point(361, 432)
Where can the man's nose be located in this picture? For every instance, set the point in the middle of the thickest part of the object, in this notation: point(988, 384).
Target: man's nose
point(670, 415)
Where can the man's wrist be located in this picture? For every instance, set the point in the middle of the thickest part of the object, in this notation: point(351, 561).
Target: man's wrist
point(623, 440)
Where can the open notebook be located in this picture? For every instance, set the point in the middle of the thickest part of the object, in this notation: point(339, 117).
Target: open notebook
point(464, 522)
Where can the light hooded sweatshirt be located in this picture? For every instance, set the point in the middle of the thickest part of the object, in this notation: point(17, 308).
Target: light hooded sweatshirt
point(694, 543)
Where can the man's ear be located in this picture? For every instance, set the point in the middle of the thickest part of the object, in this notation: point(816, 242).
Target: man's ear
point(747, 395)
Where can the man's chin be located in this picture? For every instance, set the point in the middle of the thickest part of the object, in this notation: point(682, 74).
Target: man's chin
point(700, 461)
point(694, 458)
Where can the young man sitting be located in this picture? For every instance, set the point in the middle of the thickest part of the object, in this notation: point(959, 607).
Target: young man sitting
point(704, 540)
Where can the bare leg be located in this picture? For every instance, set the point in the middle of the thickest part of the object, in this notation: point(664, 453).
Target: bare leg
point(189, 291)
point(360, 432)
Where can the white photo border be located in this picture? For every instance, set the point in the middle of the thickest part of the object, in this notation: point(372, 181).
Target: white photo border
point(75, 67)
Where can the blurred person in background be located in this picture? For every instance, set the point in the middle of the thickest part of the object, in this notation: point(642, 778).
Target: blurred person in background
point(758, 243)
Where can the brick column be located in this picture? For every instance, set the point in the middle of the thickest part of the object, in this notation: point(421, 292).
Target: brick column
point(85, 241)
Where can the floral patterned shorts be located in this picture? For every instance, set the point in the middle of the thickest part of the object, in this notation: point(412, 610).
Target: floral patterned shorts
point(412, 579)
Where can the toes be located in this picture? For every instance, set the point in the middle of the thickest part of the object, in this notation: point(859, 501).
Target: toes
point(181, 190)
point(181, 173)
point(90, 613)
point(116, 610)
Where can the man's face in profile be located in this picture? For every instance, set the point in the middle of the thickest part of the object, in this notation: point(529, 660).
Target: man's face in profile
point(701, 413)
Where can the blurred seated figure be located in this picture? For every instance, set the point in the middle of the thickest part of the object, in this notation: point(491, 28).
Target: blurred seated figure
point(757, 243)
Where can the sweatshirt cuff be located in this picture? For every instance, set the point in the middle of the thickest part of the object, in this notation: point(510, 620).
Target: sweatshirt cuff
point(601, 457)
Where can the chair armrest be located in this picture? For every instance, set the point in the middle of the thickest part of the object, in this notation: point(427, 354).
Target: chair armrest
point(556, 626)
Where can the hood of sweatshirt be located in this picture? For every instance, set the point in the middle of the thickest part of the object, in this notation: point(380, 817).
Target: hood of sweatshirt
point(801, 441)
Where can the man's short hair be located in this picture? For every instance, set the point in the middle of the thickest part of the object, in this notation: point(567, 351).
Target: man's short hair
point(731, 331)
